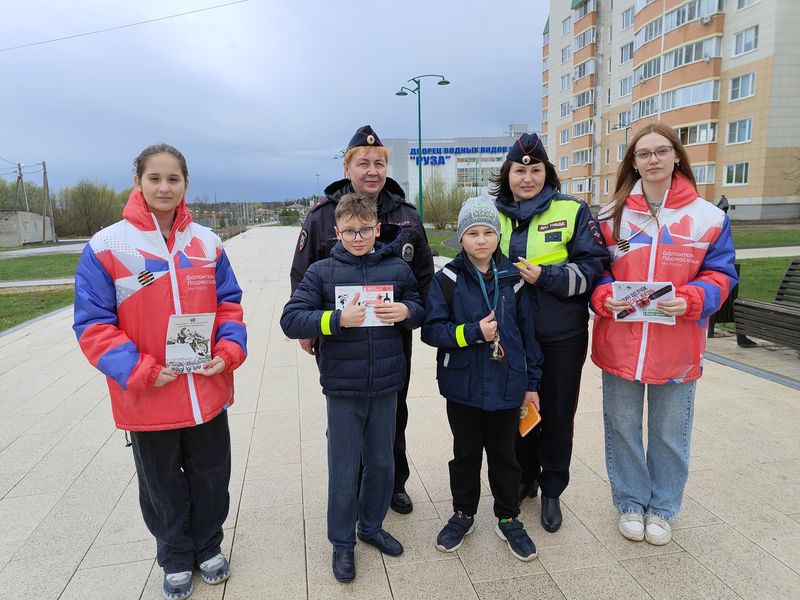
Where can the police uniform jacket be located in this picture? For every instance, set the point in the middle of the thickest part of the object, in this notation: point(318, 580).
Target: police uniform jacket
point(357, 362)
point(465, 372)
point(548, 222)
point(318, 237)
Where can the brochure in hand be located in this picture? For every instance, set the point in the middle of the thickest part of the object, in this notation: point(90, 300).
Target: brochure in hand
point(643, 297)
point(189, 341)
point(369, 296)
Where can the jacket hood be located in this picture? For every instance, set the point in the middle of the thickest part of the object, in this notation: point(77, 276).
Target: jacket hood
point(526, 209)
point(681, 192)
point(391, 196)
point(137, 213)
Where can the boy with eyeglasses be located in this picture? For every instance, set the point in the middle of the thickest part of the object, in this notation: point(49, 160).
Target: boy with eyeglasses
point(362, 368)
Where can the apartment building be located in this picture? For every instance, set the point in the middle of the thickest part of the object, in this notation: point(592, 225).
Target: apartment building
point(724, 73)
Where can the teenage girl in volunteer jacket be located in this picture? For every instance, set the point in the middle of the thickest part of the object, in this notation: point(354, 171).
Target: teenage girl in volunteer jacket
point(131, 278)
point(536, 219)
point(658, 229)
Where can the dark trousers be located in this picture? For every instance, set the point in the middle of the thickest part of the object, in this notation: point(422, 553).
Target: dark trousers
point(360, 431)
point(474, 430)
point(183, 490)
point(401, 470)
point(545, 453)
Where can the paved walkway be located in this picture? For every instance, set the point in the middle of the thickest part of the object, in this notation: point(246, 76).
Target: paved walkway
point(70, 525)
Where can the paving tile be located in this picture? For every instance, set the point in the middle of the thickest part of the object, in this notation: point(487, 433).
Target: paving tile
point(572, 530)
point(539, 587)
point(115, 554)
point(439, 580)
point(19, 517)
point(39, 577)
point(676, 577)
point(276, 491)
point(610, 582)
point(741, 564)
point(575, 556)
point(122, 581)
point(419, 541)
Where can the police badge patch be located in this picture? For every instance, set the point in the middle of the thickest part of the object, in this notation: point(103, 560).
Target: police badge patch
point(408, 253)
point(301, 243)
point(595, 231)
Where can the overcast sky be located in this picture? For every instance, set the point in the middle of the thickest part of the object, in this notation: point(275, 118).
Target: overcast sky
point(258, 95)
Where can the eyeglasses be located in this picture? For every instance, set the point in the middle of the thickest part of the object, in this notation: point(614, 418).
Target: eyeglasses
point(365, 233)
point(643, 155)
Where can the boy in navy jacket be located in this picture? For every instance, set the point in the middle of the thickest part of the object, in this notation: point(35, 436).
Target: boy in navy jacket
point(488, 364)
point(362, 366)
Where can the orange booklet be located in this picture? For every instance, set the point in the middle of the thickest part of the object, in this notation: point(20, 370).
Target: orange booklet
point(529, 418)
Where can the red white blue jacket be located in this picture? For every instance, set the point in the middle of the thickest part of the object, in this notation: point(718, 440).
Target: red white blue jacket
point(688, 244)
point(128, 282)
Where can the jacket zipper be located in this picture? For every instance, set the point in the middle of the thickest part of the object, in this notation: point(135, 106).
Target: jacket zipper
point(176, 301)
point(369, 330)
point(651, 267)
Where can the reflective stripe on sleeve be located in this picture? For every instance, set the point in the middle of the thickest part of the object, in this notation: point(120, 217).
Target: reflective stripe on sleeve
point(325, 322)
point(460, 339)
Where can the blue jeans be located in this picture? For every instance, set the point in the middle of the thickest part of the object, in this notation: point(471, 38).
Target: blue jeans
point(360, 431)
point(653, 483)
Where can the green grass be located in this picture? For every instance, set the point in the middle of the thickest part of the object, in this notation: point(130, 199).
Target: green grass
point(435, 239)
point(19, 307)
point(759, 278)
point(765, 237)
point(50, 266)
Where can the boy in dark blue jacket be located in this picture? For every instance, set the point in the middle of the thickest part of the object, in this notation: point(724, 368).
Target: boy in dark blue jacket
point(355, 302)
point(488, 364)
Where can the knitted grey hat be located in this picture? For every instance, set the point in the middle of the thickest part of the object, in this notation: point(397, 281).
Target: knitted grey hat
point(477, 211)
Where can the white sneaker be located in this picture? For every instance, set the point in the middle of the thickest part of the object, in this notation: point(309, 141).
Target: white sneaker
point(631, 525)
point(657, 531)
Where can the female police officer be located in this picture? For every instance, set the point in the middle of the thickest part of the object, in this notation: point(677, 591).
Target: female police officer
point(537, 220)
point(365, 164)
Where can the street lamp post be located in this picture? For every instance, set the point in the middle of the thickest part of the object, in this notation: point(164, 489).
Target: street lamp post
point(316, 198)
point(404, 91)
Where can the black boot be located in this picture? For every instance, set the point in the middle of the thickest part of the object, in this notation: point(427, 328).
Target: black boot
point(528, 490)
point(551, 514)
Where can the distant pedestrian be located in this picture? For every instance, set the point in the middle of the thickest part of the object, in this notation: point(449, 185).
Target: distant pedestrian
point(178, 422)
point(723, 204)
point(487, 365)
point(658, 230)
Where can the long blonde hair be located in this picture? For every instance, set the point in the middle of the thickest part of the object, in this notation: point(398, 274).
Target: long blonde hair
point(627, 175)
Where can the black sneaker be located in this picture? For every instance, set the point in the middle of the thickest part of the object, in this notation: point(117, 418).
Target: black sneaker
point(452, 535)
point(519, 542)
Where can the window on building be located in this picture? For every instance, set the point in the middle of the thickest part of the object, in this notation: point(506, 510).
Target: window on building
point(623, 119)
point(583, 69)
point(583, 128)
point(647, 33)
point(584, 9)
point(703, 173)
point(694, 52)
point(608, 126)
point(740, 4)
point(544, 115)
point(584, 39)
point(743, 86)
point(621, 150)
point(626, 86)
point(640, 4)
point(746, 41)
point(565, 110)
point(565, 82)
point(545, 63)
point(566, 26)
point(563, 136)
point(566, 54)
point(544, 138)
point(627, 18)
point(707, 91)
point(583, 98)
point(605, 187)
point(609, 64)
point(644, 108)
point(565, 187)
point(608, 97)
point(545, 89)
point(737, 173)
point(647, 70)
point(582, 157)
point(607, 156)
point(611, 33)
point(626, 53)
point(582, 185)
point(740, 131)
point(563, 163)
point(702, 133)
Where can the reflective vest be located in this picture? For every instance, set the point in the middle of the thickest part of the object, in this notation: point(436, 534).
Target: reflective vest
point(549, 231)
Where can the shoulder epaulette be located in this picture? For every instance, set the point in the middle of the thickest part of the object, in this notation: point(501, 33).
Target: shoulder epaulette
point(318, 205)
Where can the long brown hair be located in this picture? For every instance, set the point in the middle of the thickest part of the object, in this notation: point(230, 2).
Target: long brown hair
point(627, 175)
